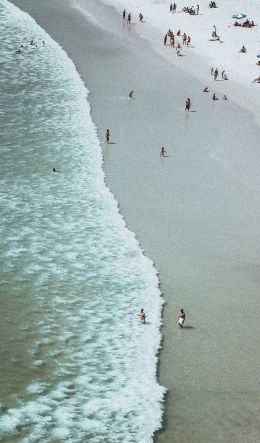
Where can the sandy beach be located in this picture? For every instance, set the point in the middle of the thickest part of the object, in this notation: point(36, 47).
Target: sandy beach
point(195, 213)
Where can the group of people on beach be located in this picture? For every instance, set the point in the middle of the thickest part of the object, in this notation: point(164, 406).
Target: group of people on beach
point(185, 40)
point(191, 10)
point(246, 24)
point(181, 317)
point(128, 17)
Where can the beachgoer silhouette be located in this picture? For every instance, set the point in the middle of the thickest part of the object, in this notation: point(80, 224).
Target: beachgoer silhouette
point(163, 152)
point(107, 136)
point(181, 318)
point(188, 105)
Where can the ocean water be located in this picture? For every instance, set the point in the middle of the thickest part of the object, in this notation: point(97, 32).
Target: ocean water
point(76, 364)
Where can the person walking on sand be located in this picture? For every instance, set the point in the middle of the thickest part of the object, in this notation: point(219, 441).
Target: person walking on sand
point(165, 40)
point(163, 152)
point(124, 14)
point(172, 41)
point(107, 136)
point(181, 318)
point(142, 316)
point(184, 38)
point(141, 17)
point(198, 9)
point(188, 40)
point(216, 74)
point(171, 7)
point(188, 105)
point(129, 18)
point(174, 7)
point(178, 49)
point(222, 74)
point(131, 94)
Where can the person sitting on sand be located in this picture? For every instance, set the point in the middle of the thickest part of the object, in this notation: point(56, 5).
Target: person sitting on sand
point(256, 80)
point(224, 97)
point(181, 318)
point(163, 152)
point(179, 32)
point(243, 49)
point(206, 89)
point(142, 316)
point(225, 77)
point(178, 49)
point(214, 97)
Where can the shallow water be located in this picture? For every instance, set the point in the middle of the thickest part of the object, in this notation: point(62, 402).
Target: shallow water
point(73, 278)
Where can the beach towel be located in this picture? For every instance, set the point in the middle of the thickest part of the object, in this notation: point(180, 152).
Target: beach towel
point(239, 16)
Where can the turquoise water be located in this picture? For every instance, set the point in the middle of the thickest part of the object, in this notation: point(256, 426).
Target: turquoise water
point(73, 278)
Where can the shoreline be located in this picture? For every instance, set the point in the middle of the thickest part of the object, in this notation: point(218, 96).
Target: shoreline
point(145, 202)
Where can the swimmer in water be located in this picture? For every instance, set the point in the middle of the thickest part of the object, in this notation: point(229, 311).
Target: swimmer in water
point(142, 316)
point(54, 170)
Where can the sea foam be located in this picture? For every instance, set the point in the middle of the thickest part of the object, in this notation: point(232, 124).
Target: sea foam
point(68, 254)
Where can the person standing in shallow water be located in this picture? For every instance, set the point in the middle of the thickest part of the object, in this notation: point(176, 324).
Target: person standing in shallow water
point(129, 18)
point(124, 14)
point(142, 316)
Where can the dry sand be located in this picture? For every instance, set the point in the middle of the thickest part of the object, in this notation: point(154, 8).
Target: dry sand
point(195, 213)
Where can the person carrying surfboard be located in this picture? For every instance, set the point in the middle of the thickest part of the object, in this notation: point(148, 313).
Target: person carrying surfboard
point(181, 318)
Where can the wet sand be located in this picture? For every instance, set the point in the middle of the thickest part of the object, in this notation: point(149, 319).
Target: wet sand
point(195, 213)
